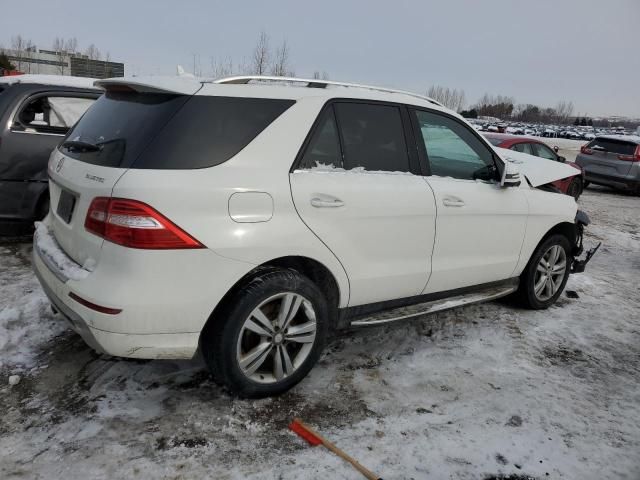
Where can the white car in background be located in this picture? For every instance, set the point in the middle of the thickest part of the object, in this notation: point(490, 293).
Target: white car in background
point(251, 217)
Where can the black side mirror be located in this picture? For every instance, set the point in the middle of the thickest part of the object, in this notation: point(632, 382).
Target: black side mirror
point(555, 148)
point(562, 159)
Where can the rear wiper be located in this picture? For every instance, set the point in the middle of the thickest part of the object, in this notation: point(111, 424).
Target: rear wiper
point(86, 146)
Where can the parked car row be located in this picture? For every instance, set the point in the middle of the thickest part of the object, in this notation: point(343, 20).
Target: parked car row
point(548, 131)
point(249, 220)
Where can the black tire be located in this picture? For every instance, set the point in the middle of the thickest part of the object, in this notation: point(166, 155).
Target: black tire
point(575, 188)
point(526, 290)
point(586, 184)
point(219, 341)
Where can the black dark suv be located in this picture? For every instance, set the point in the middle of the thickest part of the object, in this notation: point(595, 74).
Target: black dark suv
point(36, 112)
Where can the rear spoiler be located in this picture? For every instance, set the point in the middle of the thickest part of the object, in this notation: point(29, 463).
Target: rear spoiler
point(179, 85)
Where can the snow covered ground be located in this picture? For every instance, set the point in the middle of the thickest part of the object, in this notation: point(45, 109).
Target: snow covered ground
point(475, 393)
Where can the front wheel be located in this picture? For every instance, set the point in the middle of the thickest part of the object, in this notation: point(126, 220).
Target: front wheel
point(268, 336)
point(547, 273)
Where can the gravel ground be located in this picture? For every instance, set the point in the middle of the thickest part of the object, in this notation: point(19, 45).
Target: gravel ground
point(487, 391)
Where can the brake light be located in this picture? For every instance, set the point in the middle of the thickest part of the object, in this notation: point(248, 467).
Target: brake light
point(631, 158)
point(586, 150)
point(135, 224)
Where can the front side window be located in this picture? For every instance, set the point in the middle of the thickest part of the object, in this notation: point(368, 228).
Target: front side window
point(543, 151)
point(452, 149)
point(372, 137)
point(323, 149)
point(51, 114)
point(523, 148)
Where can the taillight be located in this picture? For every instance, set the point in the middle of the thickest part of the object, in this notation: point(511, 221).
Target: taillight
point(134, 224)
point(586, 150)
point(631, 158)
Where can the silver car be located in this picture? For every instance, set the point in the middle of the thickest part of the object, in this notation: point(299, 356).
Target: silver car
point(612, 160)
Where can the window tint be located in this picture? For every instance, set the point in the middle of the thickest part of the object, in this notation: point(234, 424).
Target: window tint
point(122, 124)
point(372, 136)
point(208, 131)
point(54, 114)
point(452, 149)
point(324, 145)
point(159, 131)
point(543, 151)
point(619, 147)
point(523, 147)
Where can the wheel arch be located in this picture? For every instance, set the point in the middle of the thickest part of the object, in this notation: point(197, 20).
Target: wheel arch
point(567, 229)
point(316, 271)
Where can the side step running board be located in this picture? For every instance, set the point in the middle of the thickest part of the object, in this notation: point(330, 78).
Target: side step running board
point(424, 308)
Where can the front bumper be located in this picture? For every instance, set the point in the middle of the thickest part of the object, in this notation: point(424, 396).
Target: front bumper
point(578, 265)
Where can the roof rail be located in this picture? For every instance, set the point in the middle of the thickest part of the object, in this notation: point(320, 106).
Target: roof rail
point(316, 83)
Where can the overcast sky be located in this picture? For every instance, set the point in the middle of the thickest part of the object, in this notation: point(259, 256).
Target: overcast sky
point(538, 51)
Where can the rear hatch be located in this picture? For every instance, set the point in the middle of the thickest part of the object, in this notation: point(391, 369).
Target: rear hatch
point(602, 156)
point(95, 154)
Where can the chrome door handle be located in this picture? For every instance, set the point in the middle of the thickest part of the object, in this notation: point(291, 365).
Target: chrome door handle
point(328, 202)
point(452, 202)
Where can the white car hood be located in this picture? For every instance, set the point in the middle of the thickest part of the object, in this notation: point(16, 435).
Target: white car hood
point(539, 171)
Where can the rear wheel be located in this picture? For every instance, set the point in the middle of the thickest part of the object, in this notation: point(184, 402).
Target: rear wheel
point(547, 273)
point(268, 336)
point(575, 188)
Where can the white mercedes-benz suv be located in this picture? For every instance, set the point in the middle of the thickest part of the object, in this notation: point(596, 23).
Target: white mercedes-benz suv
point(249, 218)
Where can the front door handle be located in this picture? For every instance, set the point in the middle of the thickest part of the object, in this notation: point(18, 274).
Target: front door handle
point(326, 202)
point(451, 201)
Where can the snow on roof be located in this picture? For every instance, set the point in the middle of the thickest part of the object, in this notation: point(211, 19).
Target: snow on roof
point(56, 80)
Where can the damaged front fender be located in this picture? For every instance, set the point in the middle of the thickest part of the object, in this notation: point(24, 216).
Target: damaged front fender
point(578, 265)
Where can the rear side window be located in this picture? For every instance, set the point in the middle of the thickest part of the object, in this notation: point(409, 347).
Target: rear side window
point(51, 113)
point(121, 124)
point(612, 145)
point(161, 131)
point(324, 146)
point(372, 137)
point(208, 131)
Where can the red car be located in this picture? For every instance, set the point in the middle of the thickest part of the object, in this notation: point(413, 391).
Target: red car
point(571, 185)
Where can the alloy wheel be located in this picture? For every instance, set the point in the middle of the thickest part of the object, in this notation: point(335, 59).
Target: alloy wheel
point(550, 273)
point(276, 338)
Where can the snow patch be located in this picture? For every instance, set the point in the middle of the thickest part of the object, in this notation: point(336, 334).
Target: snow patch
point(323, 168)
point(48, 246)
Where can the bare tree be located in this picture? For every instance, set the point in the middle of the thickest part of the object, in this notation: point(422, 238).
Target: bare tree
point(280, 67)
point(320, 76)
point(60, 47)
point(92, 52)
point(261, 53)
point(18, 44)
point(451, 98)
point(221, 68)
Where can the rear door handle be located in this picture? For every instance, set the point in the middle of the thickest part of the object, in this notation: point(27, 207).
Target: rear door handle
point(451, 201)
point(326, 202)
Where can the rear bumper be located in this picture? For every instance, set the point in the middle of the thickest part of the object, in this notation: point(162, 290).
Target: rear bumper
point(164, 345)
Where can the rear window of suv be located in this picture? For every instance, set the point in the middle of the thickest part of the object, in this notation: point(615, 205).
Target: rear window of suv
point(162, 131)
point(613, 145)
